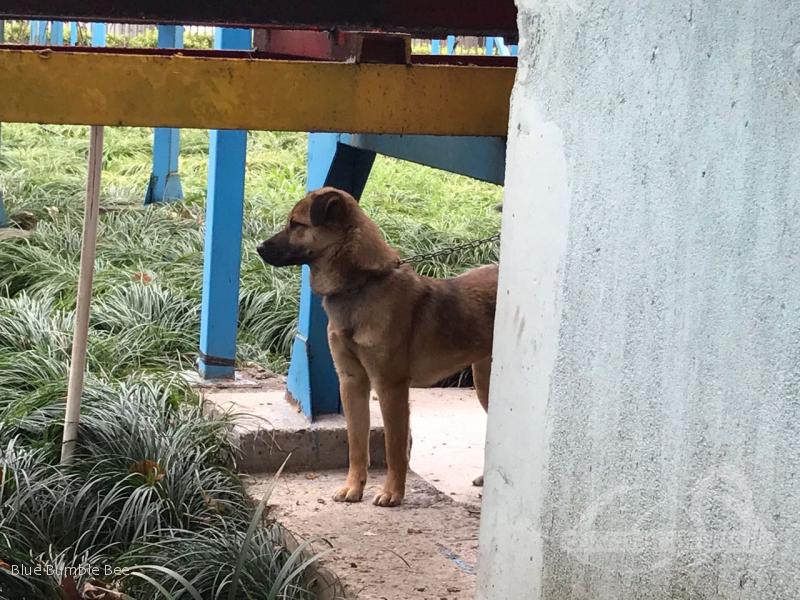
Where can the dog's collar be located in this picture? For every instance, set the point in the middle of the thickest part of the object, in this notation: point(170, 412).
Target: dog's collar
point(365, 278)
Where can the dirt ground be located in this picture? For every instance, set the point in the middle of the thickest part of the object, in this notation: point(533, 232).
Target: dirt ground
point(425, 549)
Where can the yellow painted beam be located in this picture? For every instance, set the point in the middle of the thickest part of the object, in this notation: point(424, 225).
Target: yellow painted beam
point(241, 93)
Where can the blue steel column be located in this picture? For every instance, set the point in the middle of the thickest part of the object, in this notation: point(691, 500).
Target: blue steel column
point(73, 33)
point(98, 35)
point(223, 241)
point(38, 33)
point(312, 382)
point(165, 182)
point(56, 33)
point(451, 44)
point(502, 49)
point(436, 47)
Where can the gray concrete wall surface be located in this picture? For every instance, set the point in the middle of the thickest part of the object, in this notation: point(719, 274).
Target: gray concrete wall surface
point(644, 426)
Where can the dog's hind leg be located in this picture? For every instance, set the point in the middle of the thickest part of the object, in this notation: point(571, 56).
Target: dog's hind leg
point(481, 372)
point(395, 411)
point(354, 390)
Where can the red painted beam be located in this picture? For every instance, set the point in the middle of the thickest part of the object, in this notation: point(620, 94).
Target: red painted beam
point(335, 45)
point(418, 17)
point(319, 45)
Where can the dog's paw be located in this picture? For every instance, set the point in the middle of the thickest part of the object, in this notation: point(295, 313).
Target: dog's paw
point(349, 493)
point(388, 498)
point(478, 481)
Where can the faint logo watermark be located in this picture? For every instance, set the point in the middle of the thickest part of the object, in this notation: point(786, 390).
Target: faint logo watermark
point(717, 517)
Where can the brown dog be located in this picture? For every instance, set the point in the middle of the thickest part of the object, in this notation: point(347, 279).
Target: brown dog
point(388, 327)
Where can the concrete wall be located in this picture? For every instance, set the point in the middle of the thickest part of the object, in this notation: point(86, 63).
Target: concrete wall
point(644, 426)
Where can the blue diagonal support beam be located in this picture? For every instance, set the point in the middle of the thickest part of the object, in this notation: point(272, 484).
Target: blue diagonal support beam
point(38, 33)
point(501, 46)
point(312, 382)
point(482, 158)
point(223, 238)
point(56, 33)
point(165, 181)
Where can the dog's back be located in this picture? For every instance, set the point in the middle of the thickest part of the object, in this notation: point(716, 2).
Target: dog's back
point(453, 325)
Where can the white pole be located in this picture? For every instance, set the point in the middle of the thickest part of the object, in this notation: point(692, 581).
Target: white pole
point(88, 249)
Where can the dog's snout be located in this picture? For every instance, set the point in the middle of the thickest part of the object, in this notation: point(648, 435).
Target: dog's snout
point(263, 248)
point(278, 252)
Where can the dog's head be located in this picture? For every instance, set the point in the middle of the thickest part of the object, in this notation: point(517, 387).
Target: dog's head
point(318, 223)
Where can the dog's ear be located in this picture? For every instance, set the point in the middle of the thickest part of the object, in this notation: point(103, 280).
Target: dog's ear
point(326, 207)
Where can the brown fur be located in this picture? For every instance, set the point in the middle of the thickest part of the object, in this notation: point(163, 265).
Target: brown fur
point(388, 327)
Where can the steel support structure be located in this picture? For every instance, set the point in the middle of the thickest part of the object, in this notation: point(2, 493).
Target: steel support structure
point(165, 181)
point(183, 89)
point(223, 242)
point(476, 112)
point(481, 158)
point(57, 33)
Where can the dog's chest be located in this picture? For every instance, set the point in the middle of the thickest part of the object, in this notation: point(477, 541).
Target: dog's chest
point(355, 324)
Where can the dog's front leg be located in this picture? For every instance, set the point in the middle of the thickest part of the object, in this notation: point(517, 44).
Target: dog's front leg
point(354, 391)
point(395, 411)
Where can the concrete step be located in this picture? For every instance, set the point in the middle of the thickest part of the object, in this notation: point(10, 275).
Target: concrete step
point(269, 428)
point(448, 429)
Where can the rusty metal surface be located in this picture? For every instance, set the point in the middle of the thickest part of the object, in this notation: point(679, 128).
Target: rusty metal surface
point(297, 45)
point(420, 17)
point(183, 90)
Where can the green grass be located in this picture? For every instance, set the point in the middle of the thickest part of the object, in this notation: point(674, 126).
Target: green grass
point(152, 493)
point(150, 260)
point(154, 488)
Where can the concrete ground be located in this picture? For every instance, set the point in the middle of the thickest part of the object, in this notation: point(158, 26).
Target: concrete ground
point(448, 428)
point(424, 549)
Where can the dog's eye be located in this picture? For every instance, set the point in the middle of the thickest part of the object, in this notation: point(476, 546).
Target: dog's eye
point(294, 225)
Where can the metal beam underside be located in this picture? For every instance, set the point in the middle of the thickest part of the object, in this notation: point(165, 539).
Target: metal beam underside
point(107, 88)
point(465, 17)
point(482, 158)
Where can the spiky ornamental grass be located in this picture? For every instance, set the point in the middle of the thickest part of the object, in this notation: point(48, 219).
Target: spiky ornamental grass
point(418, 209)
point(153, 488)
